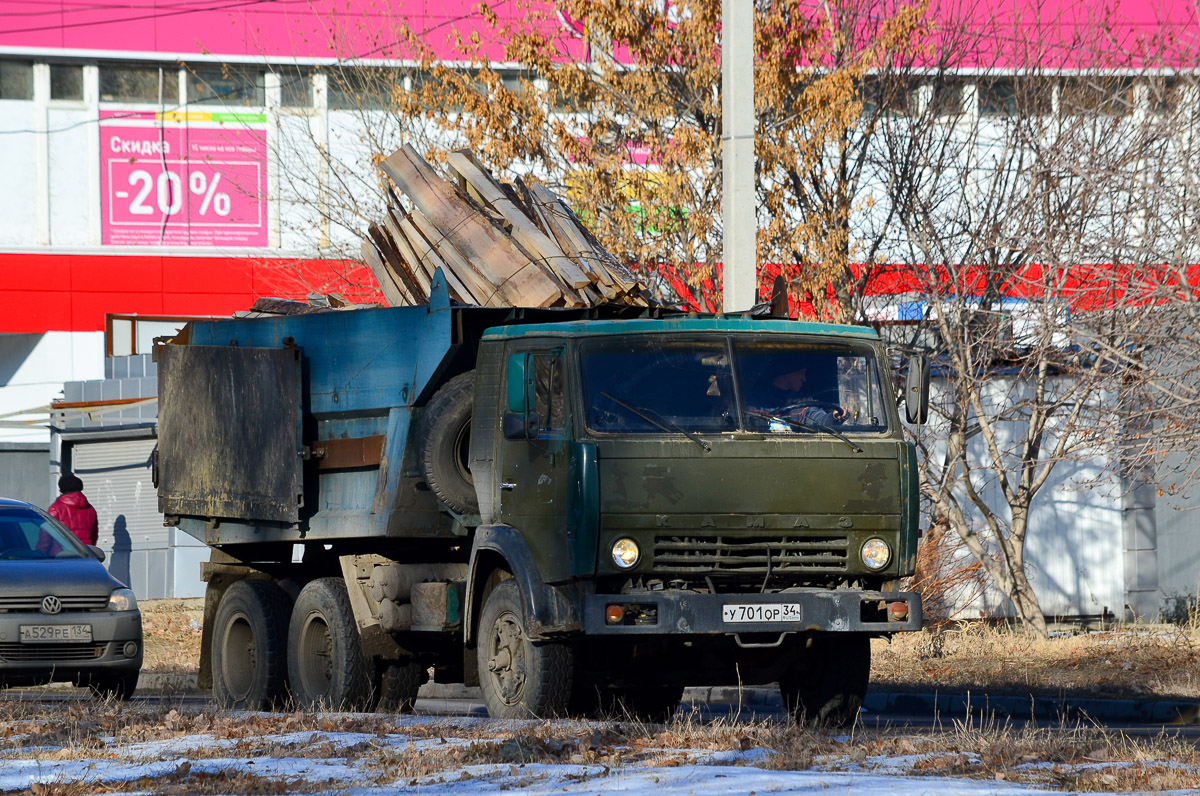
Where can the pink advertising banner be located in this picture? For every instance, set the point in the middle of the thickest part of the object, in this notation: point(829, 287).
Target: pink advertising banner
point(1062, 32)
point(183, 179)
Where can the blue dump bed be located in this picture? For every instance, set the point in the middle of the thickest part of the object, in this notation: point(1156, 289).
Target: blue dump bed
point(247, 405)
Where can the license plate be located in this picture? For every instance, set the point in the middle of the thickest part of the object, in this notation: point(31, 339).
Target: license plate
point(770, 612)
point(55, 634)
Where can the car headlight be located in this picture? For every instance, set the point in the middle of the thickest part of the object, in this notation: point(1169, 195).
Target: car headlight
point(876, 554)
point(625, 553)
point(122, 600)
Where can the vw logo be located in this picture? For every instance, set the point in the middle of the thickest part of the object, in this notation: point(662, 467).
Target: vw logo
point(51, 604)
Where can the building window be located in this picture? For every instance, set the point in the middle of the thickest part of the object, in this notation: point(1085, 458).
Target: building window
point(134, 334)
point(363, 88)
point(16, 80)
point(66, 82)
point(228, 86)
point(1165, 94)
point(1006, 96)
point(295, 89)
point(888, 95)
point(139, 84)
point(946, 98)
point(997, 98)
point(1097, 96)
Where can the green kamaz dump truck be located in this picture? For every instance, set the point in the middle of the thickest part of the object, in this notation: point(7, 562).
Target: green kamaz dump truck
point(576, 510)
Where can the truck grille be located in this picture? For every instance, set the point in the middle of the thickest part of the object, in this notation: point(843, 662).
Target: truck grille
point(34, 604)
point(24, 653)
point(737, 554)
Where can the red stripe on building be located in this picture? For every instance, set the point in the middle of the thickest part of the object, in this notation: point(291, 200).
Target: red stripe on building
point(74, 292)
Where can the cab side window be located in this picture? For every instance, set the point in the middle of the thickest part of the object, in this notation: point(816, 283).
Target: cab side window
point(548, 391)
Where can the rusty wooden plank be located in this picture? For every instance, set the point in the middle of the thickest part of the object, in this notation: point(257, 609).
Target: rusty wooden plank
point(348, 453)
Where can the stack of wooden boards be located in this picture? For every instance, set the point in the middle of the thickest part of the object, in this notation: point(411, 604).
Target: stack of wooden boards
point(498, 245)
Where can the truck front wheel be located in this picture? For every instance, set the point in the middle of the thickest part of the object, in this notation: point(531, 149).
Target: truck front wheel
point(519, 678)
point(326, 665)
point(249, 668)
point(826, 685)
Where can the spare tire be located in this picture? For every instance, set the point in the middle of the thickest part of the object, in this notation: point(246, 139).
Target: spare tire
point(444, 444)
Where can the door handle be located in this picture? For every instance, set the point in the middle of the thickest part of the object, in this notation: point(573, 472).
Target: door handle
point(507, 486)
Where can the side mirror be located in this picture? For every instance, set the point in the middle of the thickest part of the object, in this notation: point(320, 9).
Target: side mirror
point(916, 389)
point(97, 552)
point(515, 425)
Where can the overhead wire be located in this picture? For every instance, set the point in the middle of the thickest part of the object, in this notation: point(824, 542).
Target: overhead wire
point(143, 17)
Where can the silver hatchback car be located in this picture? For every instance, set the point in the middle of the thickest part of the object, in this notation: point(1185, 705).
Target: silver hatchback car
point(63, 618)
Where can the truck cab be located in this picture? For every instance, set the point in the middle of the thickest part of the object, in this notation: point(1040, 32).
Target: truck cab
point(722, 491)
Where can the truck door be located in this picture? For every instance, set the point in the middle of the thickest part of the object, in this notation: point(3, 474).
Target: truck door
point(534, 466)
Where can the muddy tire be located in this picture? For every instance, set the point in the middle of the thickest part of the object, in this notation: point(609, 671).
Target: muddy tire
point(827, 685)
point(444, 444)
point(519, 679)
point(249, 654)
point(326, 666)
point(398, 685)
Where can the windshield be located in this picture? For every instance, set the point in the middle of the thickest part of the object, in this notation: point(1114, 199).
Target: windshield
point(28, 535)
point(655, 385)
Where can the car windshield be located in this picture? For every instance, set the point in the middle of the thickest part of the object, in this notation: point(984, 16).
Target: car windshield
point(655, 385)
point(27, 535)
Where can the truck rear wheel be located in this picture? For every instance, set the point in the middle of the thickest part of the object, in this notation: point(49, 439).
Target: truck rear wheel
point(444, 441)
point(520, 679)
point(827, 684)
point(249, 661)
point(325, 661)
point(398, 685)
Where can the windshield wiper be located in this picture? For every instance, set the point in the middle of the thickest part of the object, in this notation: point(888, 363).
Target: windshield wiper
point(649, 417)
point(811, 429)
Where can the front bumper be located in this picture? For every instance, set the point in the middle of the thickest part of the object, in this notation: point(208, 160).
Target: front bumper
point(688, 613)
point(43, 662)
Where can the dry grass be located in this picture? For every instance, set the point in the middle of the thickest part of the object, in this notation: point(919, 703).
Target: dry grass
point(1128, 662)
point(172, 635)
point(389, 753)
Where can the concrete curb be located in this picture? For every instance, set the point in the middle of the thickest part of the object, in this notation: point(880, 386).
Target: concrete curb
point(1137, 711)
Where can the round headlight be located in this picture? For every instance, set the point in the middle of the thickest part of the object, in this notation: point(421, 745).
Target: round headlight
point(122, 600)
point(876, 554)
point(625, 553)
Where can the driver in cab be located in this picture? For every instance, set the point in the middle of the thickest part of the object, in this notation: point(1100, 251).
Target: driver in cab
point(791, 401)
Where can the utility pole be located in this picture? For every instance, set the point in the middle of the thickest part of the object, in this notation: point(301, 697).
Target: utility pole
point(738, 205)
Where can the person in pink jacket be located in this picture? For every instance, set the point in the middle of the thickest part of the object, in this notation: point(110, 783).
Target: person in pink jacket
point(73, 510)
